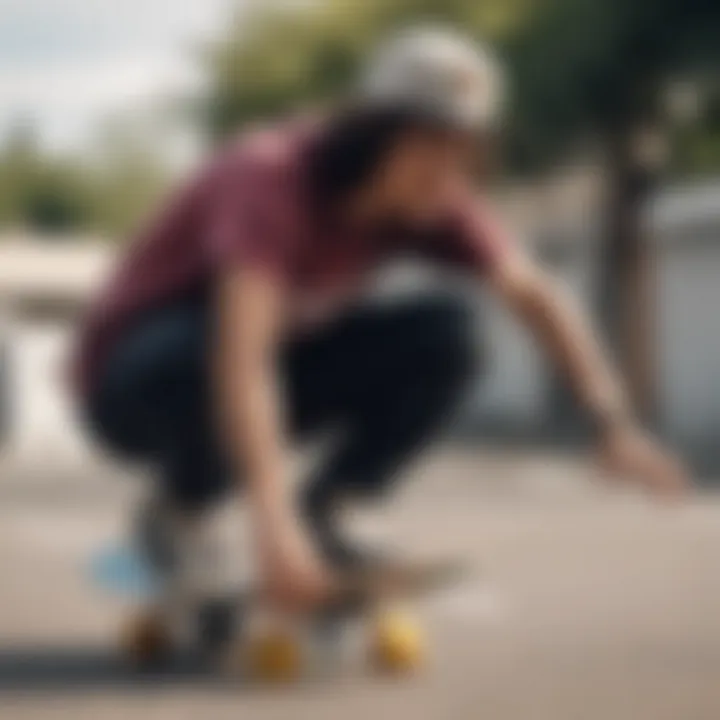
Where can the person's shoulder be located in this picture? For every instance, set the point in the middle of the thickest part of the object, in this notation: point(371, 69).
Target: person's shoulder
point(272, 150)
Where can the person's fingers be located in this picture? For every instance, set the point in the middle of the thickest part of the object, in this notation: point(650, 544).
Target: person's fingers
point(640, 460)
point(677, 479)
point(666, 474)
point(671, 469)
point(680, 472)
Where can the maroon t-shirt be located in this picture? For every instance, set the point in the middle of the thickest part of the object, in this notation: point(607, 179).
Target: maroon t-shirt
point(249, 205)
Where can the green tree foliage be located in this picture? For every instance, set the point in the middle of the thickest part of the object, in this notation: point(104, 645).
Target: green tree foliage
point(129, 174)
point(108, 192)
point(50, 195)
point(698, 145)
point(58, 200)
point(583, 66)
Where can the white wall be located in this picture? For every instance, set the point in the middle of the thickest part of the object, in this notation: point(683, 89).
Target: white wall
point(689, 339)
point(43, 425)
point(514, 390)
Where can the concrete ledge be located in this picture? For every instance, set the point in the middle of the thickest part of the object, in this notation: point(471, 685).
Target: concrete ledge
point(53, 277)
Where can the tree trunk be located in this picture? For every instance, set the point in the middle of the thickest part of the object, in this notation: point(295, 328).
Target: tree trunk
point(626, 301)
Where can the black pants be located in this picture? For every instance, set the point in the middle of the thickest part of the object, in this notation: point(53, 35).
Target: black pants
point(384, 375)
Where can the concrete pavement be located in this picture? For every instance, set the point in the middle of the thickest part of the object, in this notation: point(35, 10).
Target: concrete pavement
point(592, 605)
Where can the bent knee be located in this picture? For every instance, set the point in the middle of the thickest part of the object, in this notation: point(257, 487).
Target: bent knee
point(448, 335)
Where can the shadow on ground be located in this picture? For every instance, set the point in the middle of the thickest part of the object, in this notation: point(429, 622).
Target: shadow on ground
point(58, 669)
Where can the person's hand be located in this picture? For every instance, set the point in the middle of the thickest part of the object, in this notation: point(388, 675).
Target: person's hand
point(628, 452)
point(292, 576)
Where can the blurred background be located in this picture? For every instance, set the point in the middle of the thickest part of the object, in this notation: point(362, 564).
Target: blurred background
point(608, 168)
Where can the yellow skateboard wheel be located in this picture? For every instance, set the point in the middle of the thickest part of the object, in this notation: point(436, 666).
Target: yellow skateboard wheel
point(397, 643)
point(275, 657)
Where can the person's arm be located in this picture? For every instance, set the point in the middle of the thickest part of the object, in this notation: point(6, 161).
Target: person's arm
point(249, 317)
point(553, 317)
point(566, 335)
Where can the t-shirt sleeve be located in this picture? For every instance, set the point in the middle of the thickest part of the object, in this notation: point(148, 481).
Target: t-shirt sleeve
point(473, 238)
point(247, 216)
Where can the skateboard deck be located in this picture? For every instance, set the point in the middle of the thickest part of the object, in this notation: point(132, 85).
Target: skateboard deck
point(122, 571)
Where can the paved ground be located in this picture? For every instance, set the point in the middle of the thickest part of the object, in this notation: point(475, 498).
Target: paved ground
point(592, 606)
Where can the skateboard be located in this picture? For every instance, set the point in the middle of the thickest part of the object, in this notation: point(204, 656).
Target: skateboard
point(237, 635)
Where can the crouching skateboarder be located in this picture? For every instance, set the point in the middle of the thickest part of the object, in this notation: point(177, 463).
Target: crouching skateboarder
point(232, 328)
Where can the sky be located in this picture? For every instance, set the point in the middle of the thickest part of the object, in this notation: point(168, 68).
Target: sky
point(67, 64)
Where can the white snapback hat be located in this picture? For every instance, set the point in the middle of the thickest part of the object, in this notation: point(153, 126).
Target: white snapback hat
point(438, 70)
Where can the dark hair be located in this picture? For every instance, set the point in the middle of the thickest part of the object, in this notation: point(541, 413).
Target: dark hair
point(354, 143)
